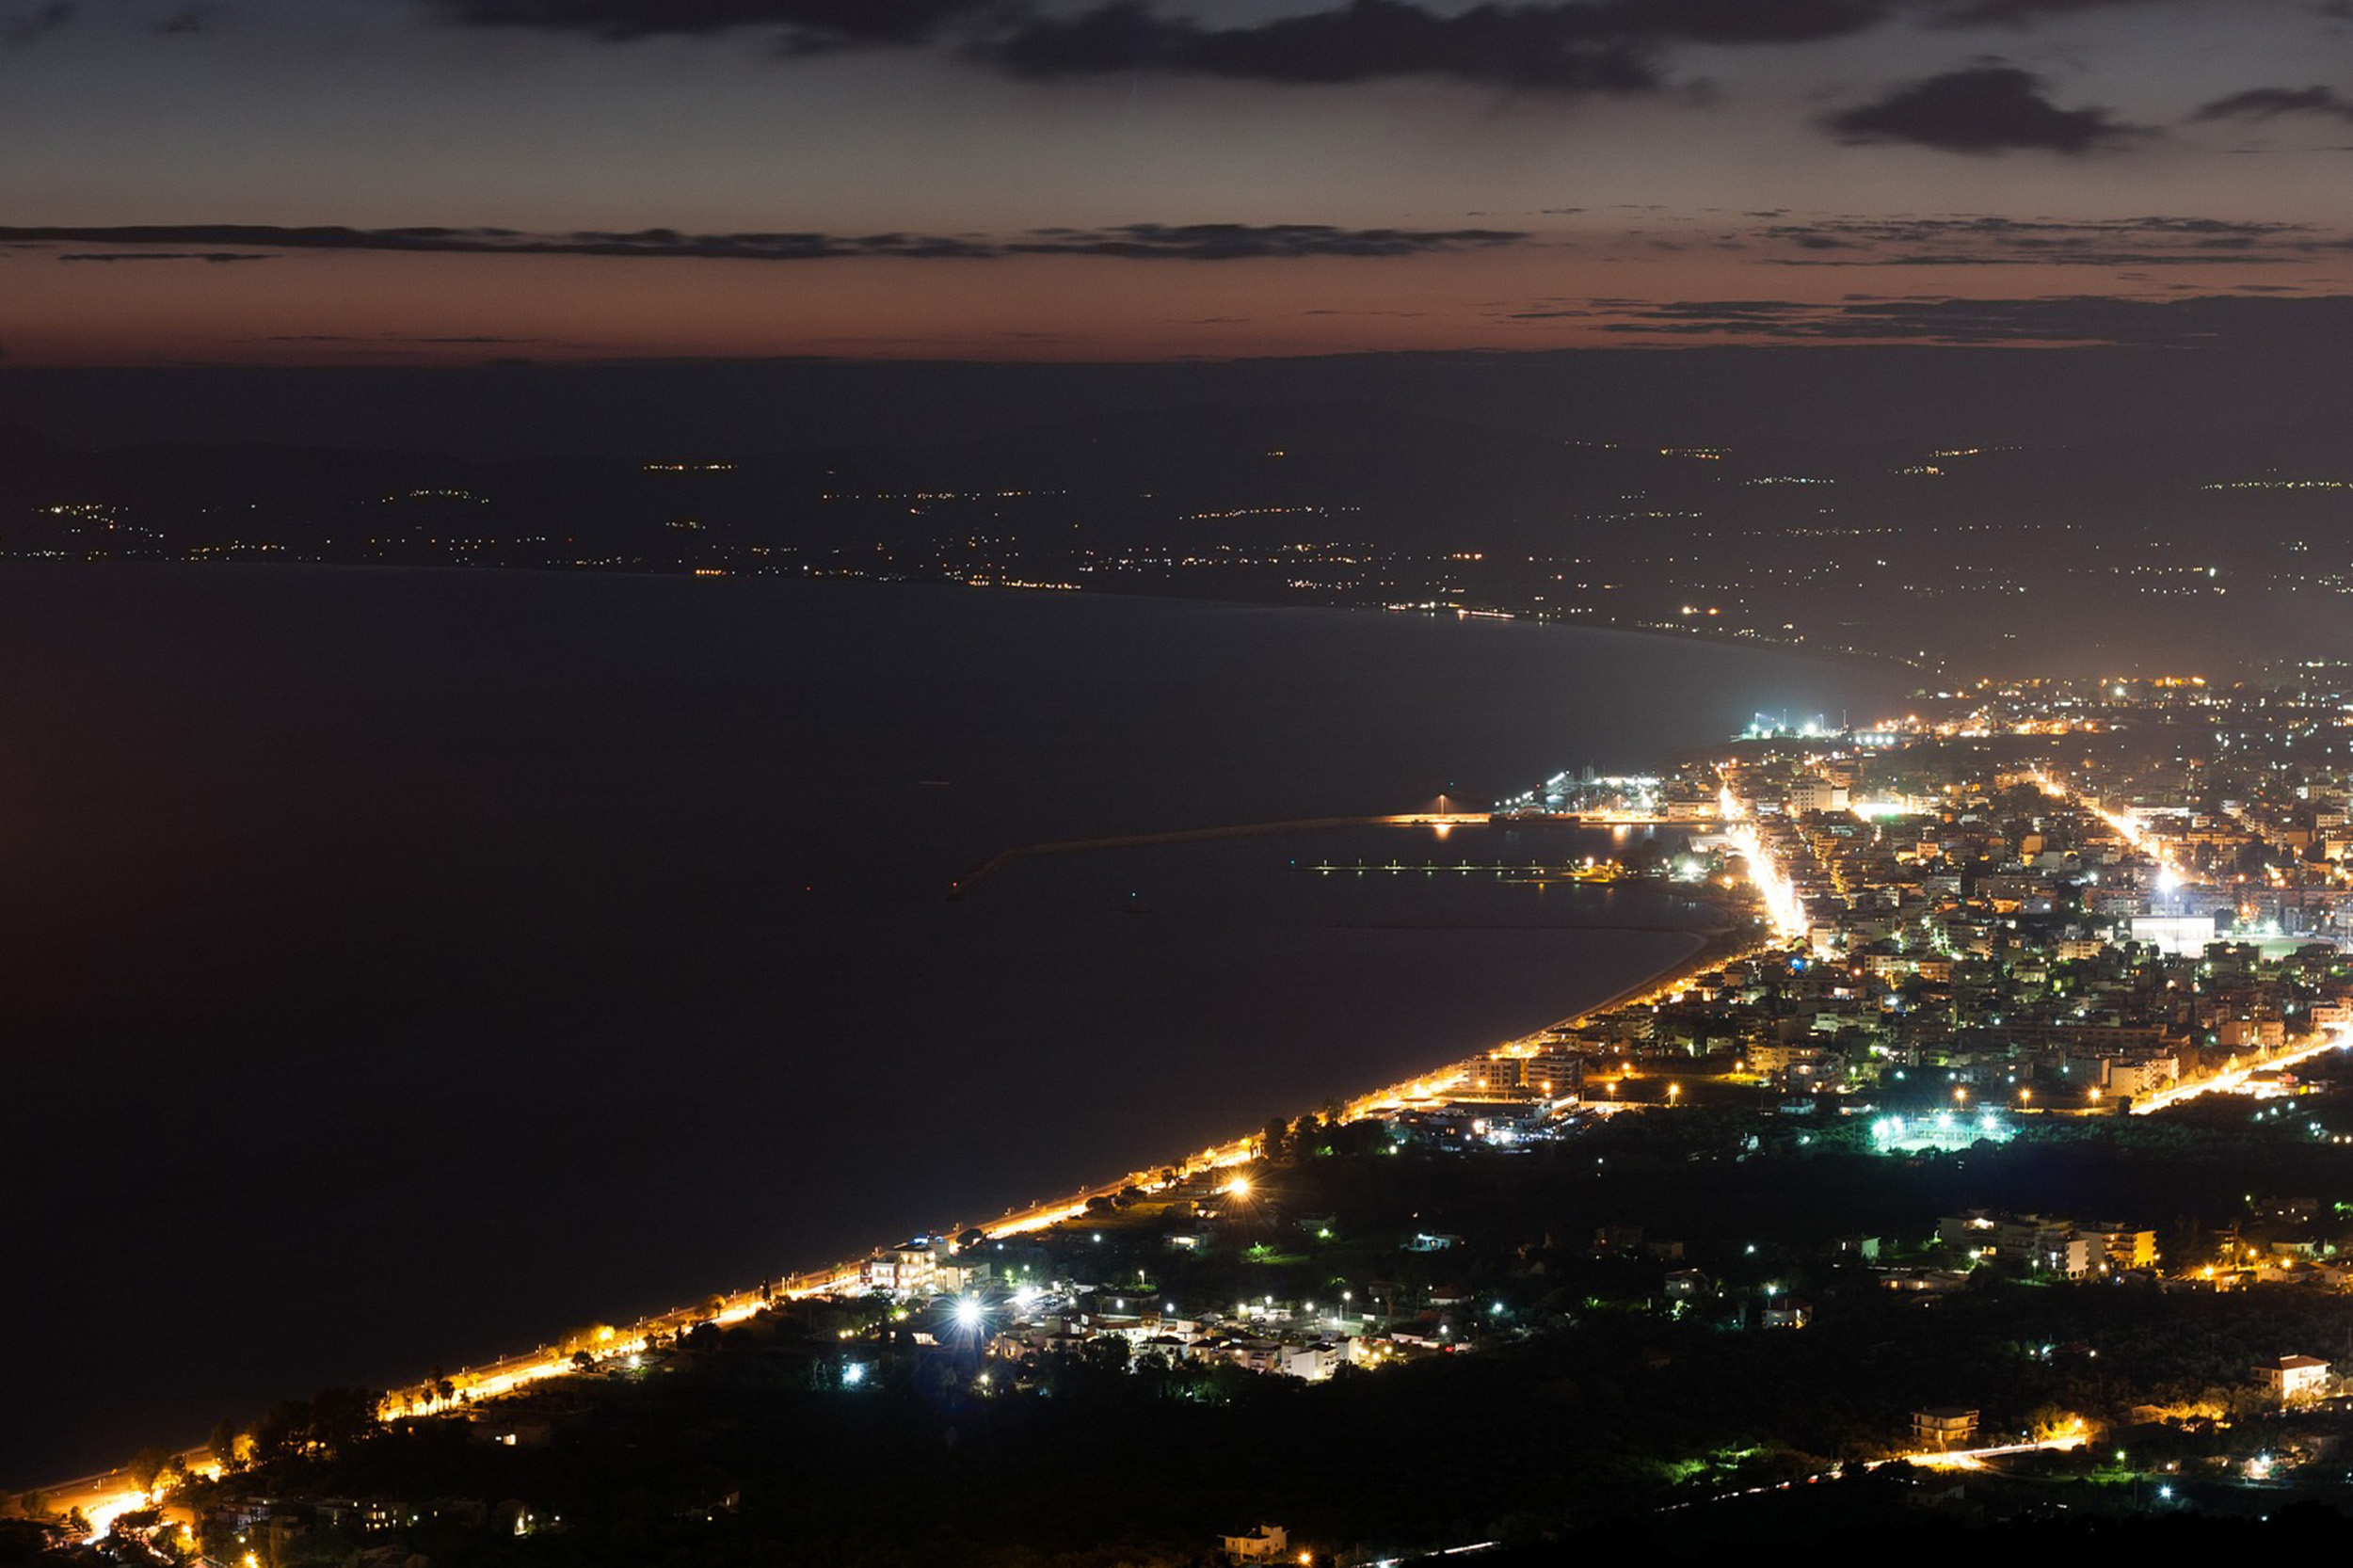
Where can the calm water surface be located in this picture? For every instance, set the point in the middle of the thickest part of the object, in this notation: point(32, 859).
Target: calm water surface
point(401, 968)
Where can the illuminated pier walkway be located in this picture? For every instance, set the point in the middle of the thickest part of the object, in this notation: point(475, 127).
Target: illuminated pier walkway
point(1441, 820)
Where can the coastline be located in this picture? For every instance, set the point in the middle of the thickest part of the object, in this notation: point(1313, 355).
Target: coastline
point(103, 1494)
point(1715, 948)
point(1862, 659)
point(1449, 1029)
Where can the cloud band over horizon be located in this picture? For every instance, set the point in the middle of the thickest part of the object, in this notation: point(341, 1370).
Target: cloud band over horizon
point(1184, 242)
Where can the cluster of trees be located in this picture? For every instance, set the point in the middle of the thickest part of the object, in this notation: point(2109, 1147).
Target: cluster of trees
point(331, 1423)
point(1318, 1136)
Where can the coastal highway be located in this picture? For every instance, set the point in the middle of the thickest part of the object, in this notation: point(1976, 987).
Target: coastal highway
point(2234, 1078)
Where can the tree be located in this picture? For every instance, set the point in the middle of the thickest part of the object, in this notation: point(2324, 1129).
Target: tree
point(343, 1419)
point(224, 1441)
point(146, 1465)
point(280, 1429)
point(1273, 1142)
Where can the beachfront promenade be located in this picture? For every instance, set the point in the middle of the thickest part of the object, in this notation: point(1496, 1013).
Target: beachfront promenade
point(99, 1499)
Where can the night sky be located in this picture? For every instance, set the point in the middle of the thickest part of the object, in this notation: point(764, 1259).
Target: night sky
point(426, 182)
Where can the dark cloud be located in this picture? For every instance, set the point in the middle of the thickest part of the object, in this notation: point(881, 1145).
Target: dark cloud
point(1225, 242)
point(1590, 46)
point(1914, 229)
point(28, 24)
point(1571, 46)
point(1196, 242)
point(2048, 258)
point(2268, 102)
point(381, 337)
point(195, 19)
point(161, 256)
point(1359, 40)
point(2188, 322)
point(1721, 21)
point(841, 21)
point(1986, 108)
point(2018, 13)
point(1988, 241)
point(1533, 47)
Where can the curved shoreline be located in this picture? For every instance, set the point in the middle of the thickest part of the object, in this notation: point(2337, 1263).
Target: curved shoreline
point(1715, 948)
point(105, 1492)
point(1447, 1039)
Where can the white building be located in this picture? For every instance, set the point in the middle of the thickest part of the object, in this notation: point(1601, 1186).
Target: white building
point(2293, 1377)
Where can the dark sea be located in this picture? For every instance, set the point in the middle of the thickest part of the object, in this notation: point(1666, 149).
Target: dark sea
point(402, 968)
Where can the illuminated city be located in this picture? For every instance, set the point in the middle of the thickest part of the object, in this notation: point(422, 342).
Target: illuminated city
point(1164, 783)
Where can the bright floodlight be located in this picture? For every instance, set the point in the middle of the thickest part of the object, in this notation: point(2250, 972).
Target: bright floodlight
point(1240, 1187)
point(968, 1312)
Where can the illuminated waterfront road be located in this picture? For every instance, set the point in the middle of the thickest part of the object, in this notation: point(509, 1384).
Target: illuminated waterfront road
point(2076, 1437)
point(100, 1498)
point(2234, 1080)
